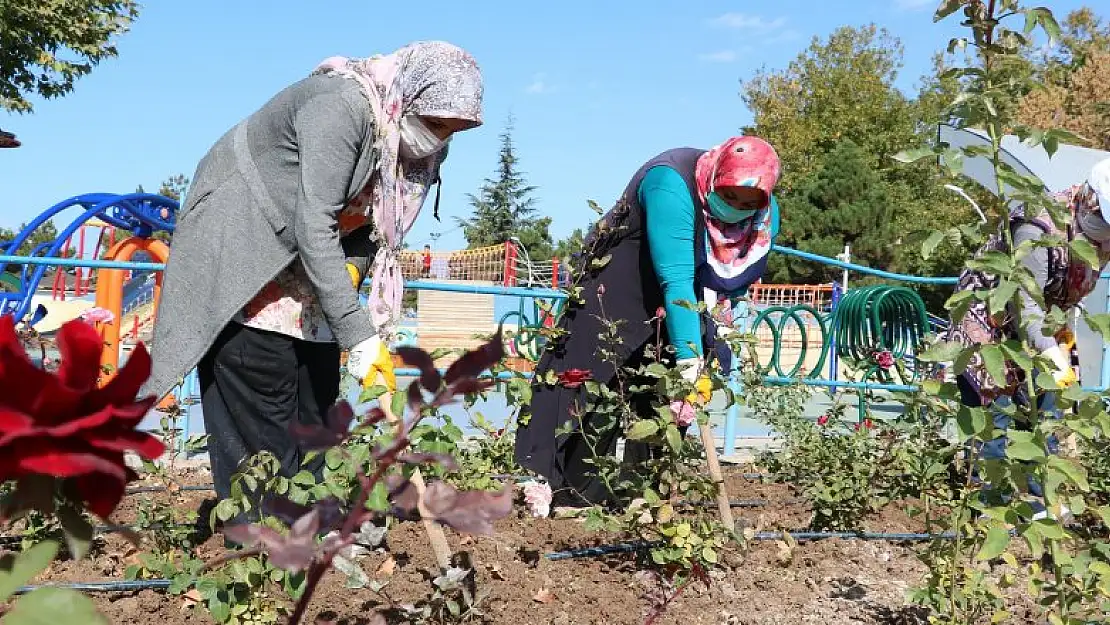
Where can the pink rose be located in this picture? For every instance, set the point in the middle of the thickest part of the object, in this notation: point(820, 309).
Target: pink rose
point(823, 420)
point(684, 413)
point(97, 315)
point(538, 498)
point(885, 359)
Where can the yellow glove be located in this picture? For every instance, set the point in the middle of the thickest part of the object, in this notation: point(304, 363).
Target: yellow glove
point(1064, 373)
point(356, 277)
point(690, 369)
point(368, 360)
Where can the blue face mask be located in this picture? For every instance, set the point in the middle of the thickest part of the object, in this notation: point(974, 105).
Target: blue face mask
point(725, 212)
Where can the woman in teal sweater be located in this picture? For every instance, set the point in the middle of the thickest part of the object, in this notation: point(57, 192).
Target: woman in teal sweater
point(692, 226)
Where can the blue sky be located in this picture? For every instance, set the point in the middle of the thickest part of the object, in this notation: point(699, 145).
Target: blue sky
point(596, 88)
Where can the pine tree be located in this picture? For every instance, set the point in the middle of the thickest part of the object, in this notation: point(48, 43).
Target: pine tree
point(504, 209)
point(844, 202)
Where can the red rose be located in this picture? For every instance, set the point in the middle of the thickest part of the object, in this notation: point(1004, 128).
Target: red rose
point(823, 420)
point(885, 359)
point(573, 378)
point(62, 426)
point(867, 424)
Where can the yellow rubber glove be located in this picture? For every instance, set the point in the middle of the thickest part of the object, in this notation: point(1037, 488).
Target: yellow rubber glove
point(690, 369)
point(370, 359)
point(1064, 373)
point(356, 277)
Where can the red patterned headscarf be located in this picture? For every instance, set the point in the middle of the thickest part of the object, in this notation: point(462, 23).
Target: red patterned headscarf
point(733, 249)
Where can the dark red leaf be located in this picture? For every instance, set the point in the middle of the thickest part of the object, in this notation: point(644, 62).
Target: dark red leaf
point(373, 416)
point(474, 362)
point(403, 496)
point(415, 398)
point(422, 360)
point(339, 417)
point(472, 512)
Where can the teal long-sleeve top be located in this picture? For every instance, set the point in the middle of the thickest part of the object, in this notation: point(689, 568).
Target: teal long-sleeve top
point(669, 216)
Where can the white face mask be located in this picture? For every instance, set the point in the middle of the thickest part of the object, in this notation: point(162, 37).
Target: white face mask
point(417, 140)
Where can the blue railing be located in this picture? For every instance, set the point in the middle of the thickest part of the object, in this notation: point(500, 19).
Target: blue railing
point(733, 414)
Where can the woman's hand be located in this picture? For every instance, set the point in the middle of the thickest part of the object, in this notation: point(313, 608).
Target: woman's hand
point(368, 360)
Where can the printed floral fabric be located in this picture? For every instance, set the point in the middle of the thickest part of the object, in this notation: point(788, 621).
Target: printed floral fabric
point(1069, 281)
point(287, 304)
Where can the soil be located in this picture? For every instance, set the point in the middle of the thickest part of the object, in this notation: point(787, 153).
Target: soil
point(828, 582)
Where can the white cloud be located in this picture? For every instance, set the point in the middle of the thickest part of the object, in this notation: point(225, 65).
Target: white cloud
point(721, 56)
point(915, 5)
point(539, 85)
point(743, 21)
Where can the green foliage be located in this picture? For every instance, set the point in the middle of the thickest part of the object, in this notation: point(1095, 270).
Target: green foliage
point(46, 233)
point(844, 202)
point(848, 472)
point(1071, 581)
point(841, 92)
point(452, 600)
point(167, 528)
point(505, 209)
point(46, 45)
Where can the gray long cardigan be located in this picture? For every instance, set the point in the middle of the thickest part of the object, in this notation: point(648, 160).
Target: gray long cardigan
point(268, 191)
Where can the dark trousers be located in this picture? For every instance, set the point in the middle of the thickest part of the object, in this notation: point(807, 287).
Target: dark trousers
point(995, 449)
point(253, 385)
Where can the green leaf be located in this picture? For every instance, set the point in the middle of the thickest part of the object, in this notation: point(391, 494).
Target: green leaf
point(916, 154)
point(994, 362)
point(998, 538)
point(946, 8)
point(1085, 251)
point(674, 438)
point(397, 404)
point(371, 393)
point(709, 555)
point(1021, 446)
point(971, 421)
point(1001, 295)
point(1075, 473)
point(1099, 322)
point(642, 429)
point(944, 351)
point(225, 510)
point(219, 610)
point(78, 531)
point(17, 571)
point(54, 606)
point(995, 263)
point(929, 245)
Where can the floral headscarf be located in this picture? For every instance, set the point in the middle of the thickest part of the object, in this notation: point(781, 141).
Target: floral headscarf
point(432, 79)
point(733, 250)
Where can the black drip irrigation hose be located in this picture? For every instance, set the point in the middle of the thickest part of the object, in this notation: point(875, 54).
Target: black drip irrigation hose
point(111, 586)
point(590, 552)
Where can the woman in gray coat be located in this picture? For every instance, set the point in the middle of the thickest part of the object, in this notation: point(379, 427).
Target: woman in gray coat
point(257, 295)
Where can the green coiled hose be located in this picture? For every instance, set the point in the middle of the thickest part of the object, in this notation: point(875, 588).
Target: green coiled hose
point(879, 318)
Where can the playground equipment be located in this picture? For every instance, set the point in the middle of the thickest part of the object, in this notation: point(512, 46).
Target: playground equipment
point(139, 215)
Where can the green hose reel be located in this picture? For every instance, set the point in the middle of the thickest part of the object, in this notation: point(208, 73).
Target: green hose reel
point(879, 318)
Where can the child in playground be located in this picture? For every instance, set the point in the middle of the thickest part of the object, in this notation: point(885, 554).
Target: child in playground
point(692, 225)
point(1065, 279)
point(328, 175)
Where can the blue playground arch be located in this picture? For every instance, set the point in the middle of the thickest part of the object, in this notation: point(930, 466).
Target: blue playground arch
point(139, 214)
